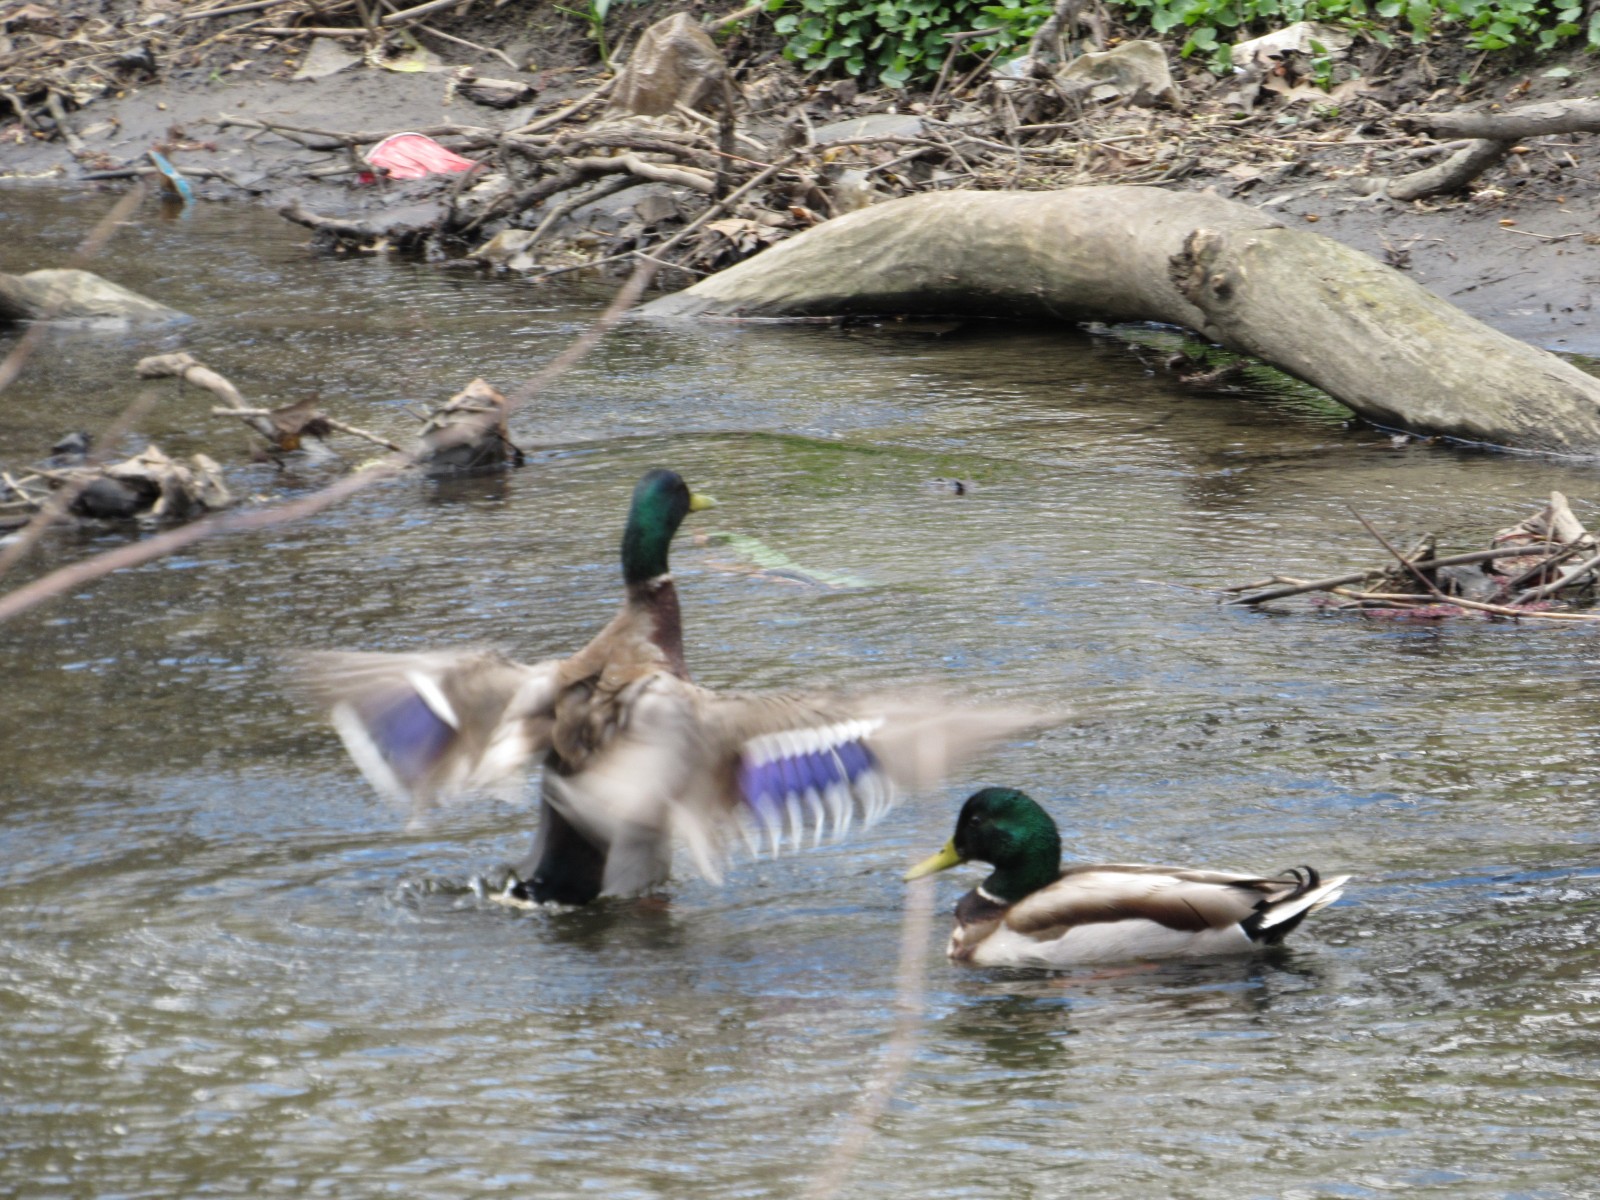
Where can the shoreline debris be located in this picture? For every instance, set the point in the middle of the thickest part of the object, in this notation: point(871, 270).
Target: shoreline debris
point(1543, 567)
point(150, 486)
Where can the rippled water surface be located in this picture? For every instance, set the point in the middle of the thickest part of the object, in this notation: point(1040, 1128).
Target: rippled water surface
point(226, 968)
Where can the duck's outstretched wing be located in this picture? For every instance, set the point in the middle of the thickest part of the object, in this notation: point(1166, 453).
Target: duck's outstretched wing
point(429, 727)
point(807, 766)
point(777, 769)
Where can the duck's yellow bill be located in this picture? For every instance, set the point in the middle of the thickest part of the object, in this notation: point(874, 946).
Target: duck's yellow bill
point(699, 502)
point(941, 861)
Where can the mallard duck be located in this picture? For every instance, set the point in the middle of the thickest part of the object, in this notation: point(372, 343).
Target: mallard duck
point(1032, 912)
point(634, 753)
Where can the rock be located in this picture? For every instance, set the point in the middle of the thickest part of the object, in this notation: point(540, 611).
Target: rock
point(852, 189)
point(1134, 71)
point(495, 93)
point(676, 62)
point(871, 126)
point(326, 57)
point(507, 249)
point(72, 449)
point(468, 436)
point(76, 296)
point(112, 500)
point(655, 207)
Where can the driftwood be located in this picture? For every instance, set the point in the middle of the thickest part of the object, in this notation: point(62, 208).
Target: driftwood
point(632, 164)
point(147, 486)
point(467, 433)
point(1363, 332)
point(286, 427)
point(191, 370)
point(1453, 174)
point(1526, 121)
point(1280, 588)
point(1535, 569)
point(1493, 134)
point(399, 228)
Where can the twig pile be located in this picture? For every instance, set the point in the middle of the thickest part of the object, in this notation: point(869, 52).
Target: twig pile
point(1540, 568)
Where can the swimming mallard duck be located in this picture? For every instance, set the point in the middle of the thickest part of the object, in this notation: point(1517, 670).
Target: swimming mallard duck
point(1032, 912)
point(633, 751)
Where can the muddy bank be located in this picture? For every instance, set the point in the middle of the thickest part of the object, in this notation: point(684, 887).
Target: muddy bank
point(1510, 248)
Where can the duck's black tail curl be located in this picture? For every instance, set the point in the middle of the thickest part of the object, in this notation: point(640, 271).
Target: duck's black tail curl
point(1285, 906)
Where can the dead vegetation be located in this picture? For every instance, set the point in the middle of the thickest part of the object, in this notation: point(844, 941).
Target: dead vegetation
point(699, 159)
point(1543, 568)
point(150, 485)
point(465, 435)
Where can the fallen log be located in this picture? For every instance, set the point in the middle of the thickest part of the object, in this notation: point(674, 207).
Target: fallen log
point(1363, 332)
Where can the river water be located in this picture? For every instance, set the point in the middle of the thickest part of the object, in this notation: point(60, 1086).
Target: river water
point(227, 968)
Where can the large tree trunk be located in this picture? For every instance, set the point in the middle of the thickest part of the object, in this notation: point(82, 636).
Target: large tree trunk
point(1366, 334)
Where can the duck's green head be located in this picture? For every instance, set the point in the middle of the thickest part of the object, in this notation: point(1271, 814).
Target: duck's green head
point(661, 500)
point(1003, 827)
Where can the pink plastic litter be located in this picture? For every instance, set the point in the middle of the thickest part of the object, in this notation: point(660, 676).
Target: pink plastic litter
point(415, 156)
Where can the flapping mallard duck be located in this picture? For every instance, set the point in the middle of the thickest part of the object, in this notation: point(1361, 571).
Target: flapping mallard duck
point(634, 753)
point(1030, 912)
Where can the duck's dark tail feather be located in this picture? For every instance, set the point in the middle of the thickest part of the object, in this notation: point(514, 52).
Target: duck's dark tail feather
point(1281, 914)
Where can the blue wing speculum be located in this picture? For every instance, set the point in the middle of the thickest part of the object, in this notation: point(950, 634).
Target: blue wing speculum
point(814, 779)
point(397, 738)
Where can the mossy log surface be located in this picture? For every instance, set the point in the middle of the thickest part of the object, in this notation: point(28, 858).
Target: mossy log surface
point(1363, 332)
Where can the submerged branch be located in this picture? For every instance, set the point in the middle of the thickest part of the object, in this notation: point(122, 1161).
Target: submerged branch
point(1298, 587)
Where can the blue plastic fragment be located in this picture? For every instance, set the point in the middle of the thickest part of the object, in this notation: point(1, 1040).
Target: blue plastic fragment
point(171, 178)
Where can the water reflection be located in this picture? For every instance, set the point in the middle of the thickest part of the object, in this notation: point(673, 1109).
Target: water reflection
point(1021, 1030)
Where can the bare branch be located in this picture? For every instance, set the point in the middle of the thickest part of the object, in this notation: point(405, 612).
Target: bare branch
point(1529, 120)
point(1454, 173)
point(874, 1099)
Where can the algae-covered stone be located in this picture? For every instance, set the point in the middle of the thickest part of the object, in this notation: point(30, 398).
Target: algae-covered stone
point(76, 296)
